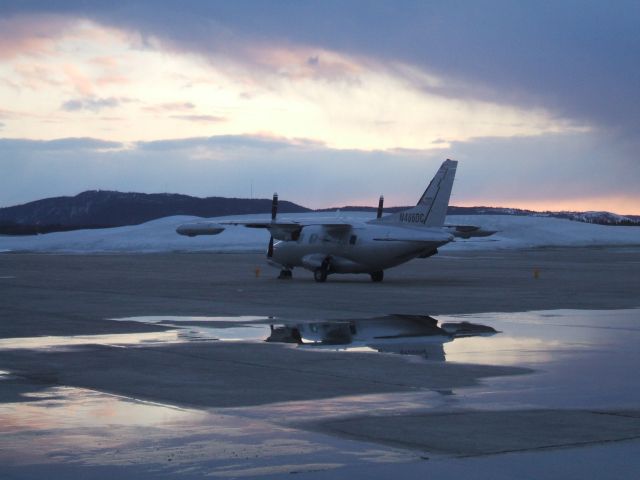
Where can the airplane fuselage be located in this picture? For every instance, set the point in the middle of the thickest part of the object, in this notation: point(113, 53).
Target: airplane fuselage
point(365, 248)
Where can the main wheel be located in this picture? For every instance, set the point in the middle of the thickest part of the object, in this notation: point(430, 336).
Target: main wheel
point(320, 275)
point(377, 276)
point(285, 275)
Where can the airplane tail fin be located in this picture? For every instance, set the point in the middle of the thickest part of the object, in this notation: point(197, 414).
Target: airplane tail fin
point(431, 209)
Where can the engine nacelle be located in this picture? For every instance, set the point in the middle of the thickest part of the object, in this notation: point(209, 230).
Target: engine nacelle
point(199, 228)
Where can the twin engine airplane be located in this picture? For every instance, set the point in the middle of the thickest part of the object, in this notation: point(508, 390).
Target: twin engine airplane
point(358, 246)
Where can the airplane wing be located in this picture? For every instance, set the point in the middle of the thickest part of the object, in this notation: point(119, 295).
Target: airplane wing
point(289, 230)
point(291, 223)
point(278, 230)
point(267, 225)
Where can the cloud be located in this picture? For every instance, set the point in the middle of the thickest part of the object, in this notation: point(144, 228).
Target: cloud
point(34, 75)
point(575, 58)
point(200, 118)
point(257, 143)
point(19, 37)
point(494, 171)
point(12, 145)
point(169, 107)
point(92, 104)
point(347, 101)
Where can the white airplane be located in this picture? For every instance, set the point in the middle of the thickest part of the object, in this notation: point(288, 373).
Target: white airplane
point(358, 246)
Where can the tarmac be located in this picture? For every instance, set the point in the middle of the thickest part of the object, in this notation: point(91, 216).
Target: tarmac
point(74, 294)
point(409, 408)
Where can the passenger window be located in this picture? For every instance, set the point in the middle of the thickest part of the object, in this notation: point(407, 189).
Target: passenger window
point(313, 238)
point(353, 240)
point(301, 238)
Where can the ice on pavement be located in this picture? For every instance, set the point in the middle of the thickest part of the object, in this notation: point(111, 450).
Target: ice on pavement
point(160, 235)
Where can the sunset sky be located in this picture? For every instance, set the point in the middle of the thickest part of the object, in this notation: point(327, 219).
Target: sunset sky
point(326, 102)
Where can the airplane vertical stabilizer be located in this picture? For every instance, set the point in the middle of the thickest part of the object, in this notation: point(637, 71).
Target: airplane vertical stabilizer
point(431, 209)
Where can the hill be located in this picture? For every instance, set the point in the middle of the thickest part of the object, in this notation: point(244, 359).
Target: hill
point(102, 209)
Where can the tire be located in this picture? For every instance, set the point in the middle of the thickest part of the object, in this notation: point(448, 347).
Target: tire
point(320, 275)
point(285, 275)
point(377, 276)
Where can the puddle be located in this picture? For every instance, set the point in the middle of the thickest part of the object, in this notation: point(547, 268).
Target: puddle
point(582, 358)
point(182, 319)
point(534, 338)
point(187, 329)
point(80, 432)
point(530, 339)
point(418, 335)
point(116, 340)
point(69, 407)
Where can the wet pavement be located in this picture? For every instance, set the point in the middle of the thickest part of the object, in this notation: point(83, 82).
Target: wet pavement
point(578, 371)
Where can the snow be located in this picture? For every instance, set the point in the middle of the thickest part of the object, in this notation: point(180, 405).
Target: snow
point(517, 232)
point(514, 232)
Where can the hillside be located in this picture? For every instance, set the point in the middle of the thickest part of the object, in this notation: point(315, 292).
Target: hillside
point(99, 209)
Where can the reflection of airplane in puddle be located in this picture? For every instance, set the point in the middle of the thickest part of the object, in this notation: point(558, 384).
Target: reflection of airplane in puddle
point(358, 247)
point(403, 334)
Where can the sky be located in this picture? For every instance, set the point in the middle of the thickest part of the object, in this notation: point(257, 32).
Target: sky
point(328, 102)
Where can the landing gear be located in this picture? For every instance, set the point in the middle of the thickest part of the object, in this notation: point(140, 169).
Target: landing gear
point(320, 275)
point(285, 274)
point(377, 276)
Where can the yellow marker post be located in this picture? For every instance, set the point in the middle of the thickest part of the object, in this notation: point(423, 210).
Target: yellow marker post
point(536, 273)
point(257, 272)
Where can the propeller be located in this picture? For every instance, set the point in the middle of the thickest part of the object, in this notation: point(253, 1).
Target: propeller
point(274, 212)
point(380, 204)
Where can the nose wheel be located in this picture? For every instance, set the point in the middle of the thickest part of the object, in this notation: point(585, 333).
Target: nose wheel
point(285, 274)
point(377, 276)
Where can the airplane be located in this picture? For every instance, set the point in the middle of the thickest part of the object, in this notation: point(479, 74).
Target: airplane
point(368, 247)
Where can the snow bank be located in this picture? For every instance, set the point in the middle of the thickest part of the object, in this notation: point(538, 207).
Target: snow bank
point(160, 235)
point(531, 232)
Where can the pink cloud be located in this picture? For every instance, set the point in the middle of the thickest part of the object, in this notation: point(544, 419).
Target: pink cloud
point(113, 79)
point(79, 80)
point(200, 118)
point(35, 75)
point(32, 35)
point(6, 113)
point(170, 107)
point(300, 62)
point(105, 61)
